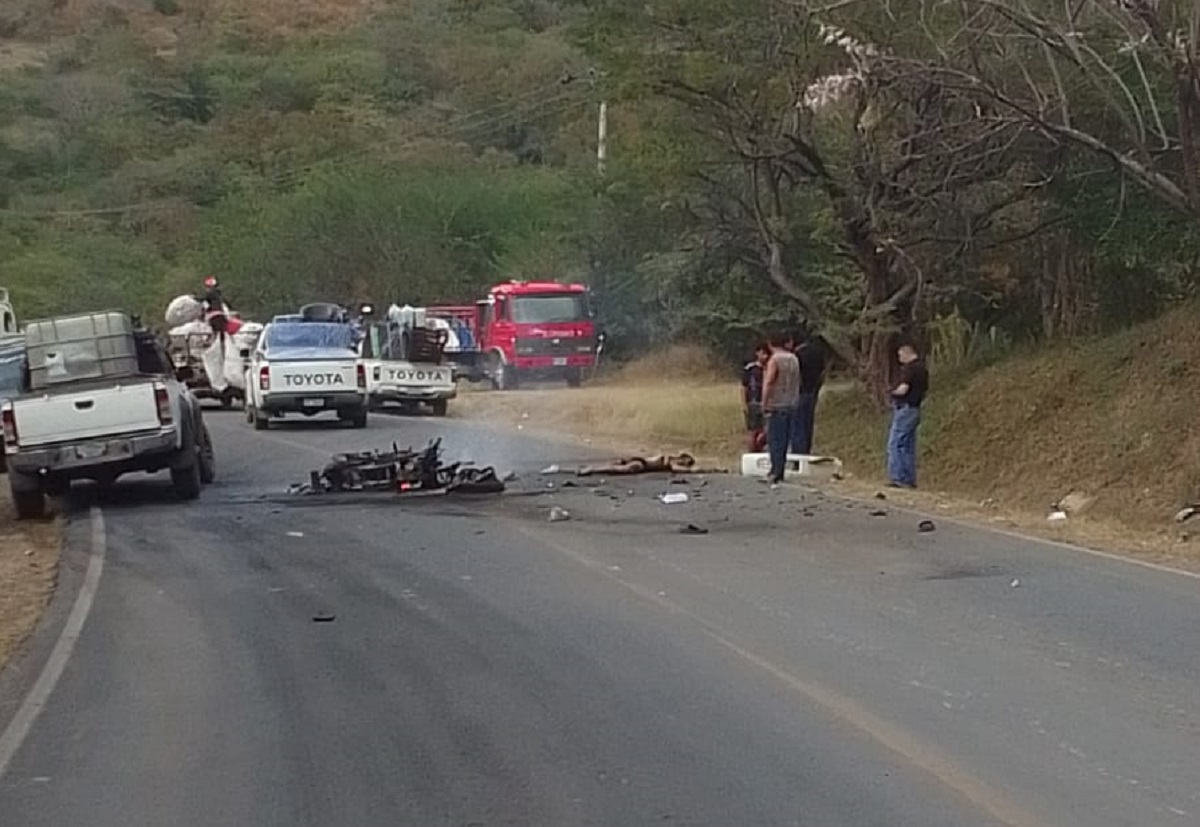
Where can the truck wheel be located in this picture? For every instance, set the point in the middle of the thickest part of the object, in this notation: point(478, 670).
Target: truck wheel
point(207, 458)
point(574, 377)
point(56, 486)
point(439, 407)
point(227, 400)
point(185, 468)
point(185, 477)
point(505, 377)
point(262, 422)
point(359, 419)
point(28, 500)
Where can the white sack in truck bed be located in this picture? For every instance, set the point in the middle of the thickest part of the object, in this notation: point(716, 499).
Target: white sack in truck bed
point(182, 310)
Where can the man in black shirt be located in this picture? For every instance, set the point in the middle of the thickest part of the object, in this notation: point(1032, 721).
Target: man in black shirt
point(907, 397)
point(752, 386)
point(812, 376)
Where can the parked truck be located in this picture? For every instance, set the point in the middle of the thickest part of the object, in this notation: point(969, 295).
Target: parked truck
point(306, 368)
point(100, 400)
point(524, 330)
point(404, 359)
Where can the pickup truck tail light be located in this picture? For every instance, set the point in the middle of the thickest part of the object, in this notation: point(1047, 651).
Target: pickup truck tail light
point(10, 425)
point(264, 378)
point(362, 375)
point(163, 400)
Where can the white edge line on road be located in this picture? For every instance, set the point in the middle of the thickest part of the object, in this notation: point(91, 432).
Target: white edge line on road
point(1005, 532)
point(18, 728)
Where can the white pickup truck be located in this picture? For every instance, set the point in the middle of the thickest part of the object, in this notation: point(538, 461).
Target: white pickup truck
point(100, 401)
point(306, 368)
point(409, 385)
point(407, 382)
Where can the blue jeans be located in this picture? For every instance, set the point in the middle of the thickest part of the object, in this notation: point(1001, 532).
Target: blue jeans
point(902, 445)
point(779, 434)
point(802, 424)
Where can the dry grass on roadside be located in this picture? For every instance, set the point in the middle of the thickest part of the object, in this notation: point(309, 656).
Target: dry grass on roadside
point(677, 400)
point(28, 567)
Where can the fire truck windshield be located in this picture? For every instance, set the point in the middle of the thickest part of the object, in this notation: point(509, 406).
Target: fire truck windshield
point(549, 309)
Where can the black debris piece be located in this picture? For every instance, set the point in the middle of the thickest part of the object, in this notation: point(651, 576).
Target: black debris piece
point(879, 513)
point(691, 528)
point(324, 617)
point(926, 526)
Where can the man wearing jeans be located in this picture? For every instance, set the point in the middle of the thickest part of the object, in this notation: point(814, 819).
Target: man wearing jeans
point(907, 397)
point(812, 375)
point(781, 394)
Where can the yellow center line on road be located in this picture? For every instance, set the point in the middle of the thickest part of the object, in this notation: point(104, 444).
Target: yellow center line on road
point(910, 747)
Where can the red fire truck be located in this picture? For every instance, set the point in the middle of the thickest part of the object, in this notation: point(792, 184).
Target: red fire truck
point(524, 330)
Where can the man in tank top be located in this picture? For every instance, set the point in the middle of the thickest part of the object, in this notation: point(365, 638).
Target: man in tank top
point(781, 395)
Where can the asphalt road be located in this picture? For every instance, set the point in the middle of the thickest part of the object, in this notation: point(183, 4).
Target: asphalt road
point(805, 662)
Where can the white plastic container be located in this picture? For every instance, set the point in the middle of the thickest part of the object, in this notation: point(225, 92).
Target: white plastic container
point(86, 346)
point(797, 466)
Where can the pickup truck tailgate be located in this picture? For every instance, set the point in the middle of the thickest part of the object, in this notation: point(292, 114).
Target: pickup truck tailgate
point(62, 417)
point(312, 377)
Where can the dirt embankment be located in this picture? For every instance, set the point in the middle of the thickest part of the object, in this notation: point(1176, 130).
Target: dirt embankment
point(28, 569)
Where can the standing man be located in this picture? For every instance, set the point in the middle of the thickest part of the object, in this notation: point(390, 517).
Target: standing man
point(907, 397)
point(812, 375)
point(752, 387)
point(780, 396)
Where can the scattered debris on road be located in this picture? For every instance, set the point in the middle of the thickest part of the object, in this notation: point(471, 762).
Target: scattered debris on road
point(926, 526)
point(1187, 513)
point(673, 499)
point(879, 513)
point(324, 617)
point(1057, 516)
point(402, 471)
point(692, 528)
point(552, 469)
point(559, 515)
point(1016, 584)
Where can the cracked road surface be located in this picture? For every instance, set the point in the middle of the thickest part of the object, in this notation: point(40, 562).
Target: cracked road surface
point(803, 663)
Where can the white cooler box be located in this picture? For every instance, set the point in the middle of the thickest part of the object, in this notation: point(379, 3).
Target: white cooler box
point(798, 466)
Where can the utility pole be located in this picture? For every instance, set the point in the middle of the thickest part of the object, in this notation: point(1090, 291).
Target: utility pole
point(602, 142)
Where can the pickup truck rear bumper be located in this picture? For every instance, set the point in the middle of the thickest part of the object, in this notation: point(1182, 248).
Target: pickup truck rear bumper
point(110, 454)
point(380, 396)
point(313, 403)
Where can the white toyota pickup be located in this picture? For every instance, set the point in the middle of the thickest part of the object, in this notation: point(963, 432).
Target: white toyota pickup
point(409, 385)
point(407, 382)
point(306, 368)
point(100, 401)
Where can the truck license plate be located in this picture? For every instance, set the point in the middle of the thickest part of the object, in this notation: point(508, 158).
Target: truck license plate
point(92, 450)
point(314, 403)
point(560, 361)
